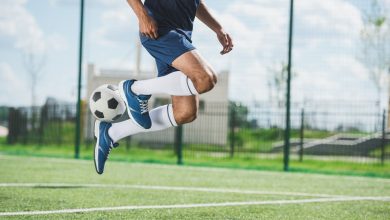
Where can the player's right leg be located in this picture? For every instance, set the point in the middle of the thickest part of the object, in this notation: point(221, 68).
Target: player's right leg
point(195, 67)
point(136, 104)
point(182, 72)
point(195, 77)
point(185, 108)
point(191, 75)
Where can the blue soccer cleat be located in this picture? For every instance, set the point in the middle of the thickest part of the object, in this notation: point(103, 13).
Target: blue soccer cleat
point(137, 105)
point(104, 145)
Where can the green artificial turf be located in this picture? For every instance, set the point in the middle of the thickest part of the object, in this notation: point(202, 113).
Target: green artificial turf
point(62, 186)
point(310, 164)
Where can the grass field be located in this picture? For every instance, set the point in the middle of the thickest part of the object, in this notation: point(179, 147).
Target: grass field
point(49, 188)
point(241, 161)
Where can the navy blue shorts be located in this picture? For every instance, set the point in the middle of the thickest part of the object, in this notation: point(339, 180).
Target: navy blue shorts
point(166, 49)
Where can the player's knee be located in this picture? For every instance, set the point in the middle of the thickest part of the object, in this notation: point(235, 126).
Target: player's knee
point(185, 116)
point(205, 81)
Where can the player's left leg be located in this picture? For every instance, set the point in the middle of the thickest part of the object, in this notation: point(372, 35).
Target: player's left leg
point(108, 134)
point(104, 145)
point(182, 110)
point(162, 118)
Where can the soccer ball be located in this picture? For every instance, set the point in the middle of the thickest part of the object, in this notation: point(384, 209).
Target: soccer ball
point(106, 104)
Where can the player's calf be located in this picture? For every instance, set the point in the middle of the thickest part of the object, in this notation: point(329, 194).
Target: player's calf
point(185, 116)
point(185, 108)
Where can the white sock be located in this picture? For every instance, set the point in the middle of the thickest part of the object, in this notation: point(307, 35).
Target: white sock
point(162, 118)
point(176, 83)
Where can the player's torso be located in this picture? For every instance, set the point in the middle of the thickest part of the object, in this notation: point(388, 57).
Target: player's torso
point(173, 13)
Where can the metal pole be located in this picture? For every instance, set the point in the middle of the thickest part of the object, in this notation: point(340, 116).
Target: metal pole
point(78, 110)
point(232, 126)
point(383, 144)
point(179, 144)
point(286, 151)
point(302, 135)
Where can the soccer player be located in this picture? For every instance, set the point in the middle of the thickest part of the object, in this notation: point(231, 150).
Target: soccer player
point(165, 31)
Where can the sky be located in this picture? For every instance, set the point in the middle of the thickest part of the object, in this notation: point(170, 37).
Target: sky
point(326, 52)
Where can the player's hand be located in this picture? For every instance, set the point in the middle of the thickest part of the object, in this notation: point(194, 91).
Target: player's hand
point(226, 42)
point(148, 27)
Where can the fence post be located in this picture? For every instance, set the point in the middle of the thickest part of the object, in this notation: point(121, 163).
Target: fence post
point(232, 130)
point(41, 128)
point(80, 63)
point(32, 123)
point(23, 125)
point(128, 142)
point(179, 144)
point(301, 135)
point(12, 126)
point(286, 149)
point(60, 130)
point(383, 144)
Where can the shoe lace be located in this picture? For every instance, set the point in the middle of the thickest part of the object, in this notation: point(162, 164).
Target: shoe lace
point(144, 106)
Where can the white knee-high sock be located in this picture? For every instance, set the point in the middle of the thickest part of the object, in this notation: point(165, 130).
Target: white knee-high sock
point(162, 118)
point(176, 83)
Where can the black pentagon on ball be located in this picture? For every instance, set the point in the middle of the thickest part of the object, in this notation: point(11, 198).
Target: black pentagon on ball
point(99, 114)
point(116, 117)
point(96, 96)
point(113, 103)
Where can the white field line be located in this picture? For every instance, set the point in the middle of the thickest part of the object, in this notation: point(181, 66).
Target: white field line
point(183, 188)
point(180, 206)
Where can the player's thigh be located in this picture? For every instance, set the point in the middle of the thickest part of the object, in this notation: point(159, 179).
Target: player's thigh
point(193, 65)
point(185, 108)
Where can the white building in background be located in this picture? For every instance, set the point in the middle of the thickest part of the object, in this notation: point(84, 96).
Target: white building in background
point(211, 126)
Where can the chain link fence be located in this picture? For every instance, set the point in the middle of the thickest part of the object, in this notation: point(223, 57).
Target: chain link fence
point(320, 131)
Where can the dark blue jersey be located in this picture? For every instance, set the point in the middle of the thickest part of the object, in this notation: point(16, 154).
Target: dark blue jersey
point(170, 15)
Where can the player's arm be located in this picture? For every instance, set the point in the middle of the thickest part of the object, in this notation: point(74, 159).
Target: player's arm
point(147, 26)
point(208, 19)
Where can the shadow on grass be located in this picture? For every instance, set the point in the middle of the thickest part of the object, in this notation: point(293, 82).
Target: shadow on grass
point(58, 187)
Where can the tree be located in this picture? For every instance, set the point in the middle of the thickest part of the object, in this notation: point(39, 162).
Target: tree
point(375, 37)
point(277, 83)
point(33, 63)
point(238, 115)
